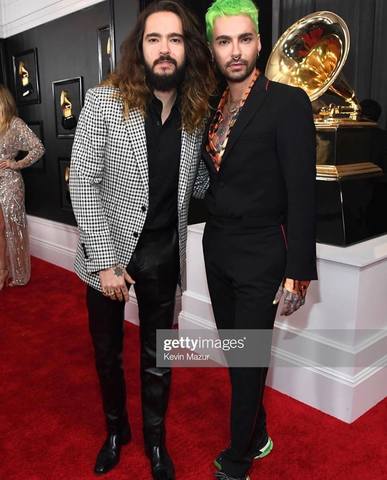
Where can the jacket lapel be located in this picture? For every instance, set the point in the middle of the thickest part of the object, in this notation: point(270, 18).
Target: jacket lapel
point(253, 103)
point(135, 126)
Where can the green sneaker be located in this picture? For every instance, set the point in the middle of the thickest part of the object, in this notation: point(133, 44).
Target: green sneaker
point(262, 451)
point(265, 449)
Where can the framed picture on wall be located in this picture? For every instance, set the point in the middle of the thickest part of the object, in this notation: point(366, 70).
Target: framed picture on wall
point(37, 128)
point(68, 100)
point(64, 176)
point(105, 52)
point(26, 77)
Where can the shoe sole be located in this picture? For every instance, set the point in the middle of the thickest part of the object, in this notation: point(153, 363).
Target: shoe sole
point(265, 450)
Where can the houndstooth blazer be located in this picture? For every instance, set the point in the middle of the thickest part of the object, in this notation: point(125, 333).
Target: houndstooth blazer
point(109, 184)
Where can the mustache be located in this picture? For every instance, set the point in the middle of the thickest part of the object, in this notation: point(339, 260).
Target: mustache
point(165, 58)
point(233, 62)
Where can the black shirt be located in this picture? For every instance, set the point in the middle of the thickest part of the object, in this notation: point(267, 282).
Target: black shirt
point(164, 145)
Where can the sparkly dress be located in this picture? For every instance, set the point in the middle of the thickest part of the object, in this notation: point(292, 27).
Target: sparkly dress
point(18, 137)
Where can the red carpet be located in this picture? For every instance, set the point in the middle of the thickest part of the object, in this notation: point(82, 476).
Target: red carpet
point(50, 417)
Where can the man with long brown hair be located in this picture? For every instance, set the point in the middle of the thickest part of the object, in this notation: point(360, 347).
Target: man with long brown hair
point(134, 163)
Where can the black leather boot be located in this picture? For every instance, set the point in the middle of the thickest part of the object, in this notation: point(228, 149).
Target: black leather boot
point(161, 463)
point(109, 455)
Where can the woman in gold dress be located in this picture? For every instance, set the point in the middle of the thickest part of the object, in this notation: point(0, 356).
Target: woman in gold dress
point(15, 136)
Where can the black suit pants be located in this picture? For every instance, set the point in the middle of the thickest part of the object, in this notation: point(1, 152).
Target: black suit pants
point(244, 267)
point(155, 268)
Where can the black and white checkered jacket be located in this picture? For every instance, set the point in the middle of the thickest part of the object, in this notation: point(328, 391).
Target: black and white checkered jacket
point(109, 184)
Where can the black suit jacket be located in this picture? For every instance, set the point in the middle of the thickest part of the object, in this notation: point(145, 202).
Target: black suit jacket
point(268, 170)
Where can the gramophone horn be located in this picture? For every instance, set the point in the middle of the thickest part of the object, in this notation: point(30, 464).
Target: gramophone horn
point(311, 54)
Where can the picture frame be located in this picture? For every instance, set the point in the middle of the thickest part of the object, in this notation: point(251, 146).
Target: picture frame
point(105, 52)
point(68, 101)
point(26, 77)
point(37, 128)
point(64, 172)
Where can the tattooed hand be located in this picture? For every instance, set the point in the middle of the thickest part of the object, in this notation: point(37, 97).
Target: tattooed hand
point(295, 293)
point(114, 283)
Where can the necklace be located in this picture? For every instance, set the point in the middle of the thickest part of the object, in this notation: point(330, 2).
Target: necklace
point(232, 107)
point(222, 123)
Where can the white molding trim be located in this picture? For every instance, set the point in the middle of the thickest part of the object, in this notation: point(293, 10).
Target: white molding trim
point(21, 15)
point(2, 6)
point(343, 398)
point(52, 241)
point(337, 376)
point(189, 321)
point(308, 334)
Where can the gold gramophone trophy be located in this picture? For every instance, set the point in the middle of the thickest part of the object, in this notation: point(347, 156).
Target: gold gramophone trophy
point(25, 84)
point(69, 120)
point(310, 55)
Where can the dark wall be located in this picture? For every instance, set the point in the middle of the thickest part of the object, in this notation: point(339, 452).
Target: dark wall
point(67, 47)
point(125, 15)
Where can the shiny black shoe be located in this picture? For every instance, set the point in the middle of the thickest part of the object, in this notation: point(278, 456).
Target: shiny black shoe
point(109, 455)
point(161, 463)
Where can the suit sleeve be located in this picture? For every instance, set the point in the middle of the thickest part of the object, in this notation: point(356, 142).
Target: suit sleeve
point(86, 175)
point(296, 147)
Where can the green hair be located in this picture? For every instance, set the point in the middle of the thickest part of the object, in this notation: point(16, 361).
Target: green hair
point(230, 7)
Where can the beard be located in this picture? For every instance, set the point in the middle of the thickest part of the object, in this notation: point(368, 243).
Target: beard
point(239, 76)
point(164, 82)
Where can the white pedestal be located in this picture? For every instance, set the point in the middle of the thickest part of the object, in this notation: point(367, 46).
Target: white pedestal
point(345, 316)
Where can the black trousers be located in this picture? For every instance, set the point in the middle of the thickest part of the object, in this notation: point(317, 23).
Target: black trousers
point(155, 268)
point(244, 267)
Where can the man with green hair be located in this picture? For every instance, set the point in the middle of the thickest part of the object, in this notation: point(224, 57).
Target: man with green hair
point(259, 239)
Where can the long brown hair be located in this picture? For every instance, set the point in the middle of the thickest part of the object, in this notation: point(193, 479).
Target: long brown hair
point(7, 108)
point(198, 83)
